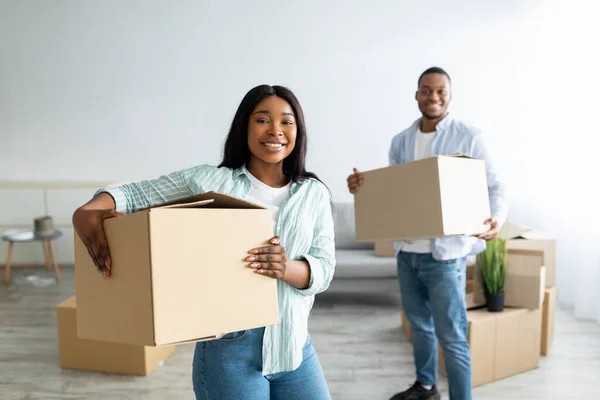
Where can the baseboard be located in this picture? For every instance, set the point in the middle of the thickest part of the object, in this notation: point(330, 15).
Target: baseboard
point(29, 265)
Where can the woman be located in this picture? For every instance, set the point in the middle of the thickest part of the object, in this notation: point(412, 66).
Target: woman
point(263, 163)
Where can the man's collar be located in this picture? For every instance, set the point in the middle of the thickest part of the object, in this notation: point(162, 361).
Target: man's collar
point(440, 127)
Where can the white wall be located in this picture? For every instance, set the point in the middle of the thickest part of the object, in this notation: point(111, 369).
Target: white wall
point(113, 90)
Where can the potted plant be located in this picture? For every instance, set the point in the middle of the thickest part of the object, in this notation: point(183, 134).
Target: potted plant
point(492, 272)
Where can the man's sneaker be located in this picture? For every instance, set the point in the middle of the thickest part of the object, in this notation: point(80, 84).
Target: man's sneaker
point(418, 392)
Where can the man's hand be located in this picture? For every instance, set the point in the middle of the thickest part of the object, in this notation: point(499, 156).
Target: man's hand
point(492, 232)
point(355, 181)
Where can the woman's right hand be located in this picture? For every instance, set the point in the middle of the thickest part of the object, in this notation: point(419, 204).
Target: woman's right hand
point(89, 226)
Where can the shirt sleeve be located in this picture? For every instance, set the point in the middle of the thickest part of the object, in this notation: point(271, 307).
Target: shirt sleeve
point(321, 256)
point(393, 156)
point(136, 196)
point(496, 188)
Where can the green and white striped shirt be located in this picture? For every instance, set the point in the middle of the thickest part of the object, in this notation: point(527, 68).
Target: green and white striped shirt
point(304, 225)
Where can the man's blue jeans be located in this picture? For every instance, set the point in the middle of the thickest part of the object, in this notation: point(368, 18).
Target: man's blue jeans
point(433, 298)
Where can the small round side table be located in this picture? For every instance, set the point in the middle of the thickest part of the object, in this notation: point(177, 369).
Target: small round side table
point(28, 236)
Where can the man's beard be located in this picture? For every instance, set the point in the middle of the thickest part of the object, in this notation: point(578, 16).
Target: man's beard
point(430, 117)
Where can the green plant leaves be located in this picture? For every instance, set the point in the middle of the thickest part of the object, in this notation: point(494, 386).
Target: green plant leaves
point(492, 265)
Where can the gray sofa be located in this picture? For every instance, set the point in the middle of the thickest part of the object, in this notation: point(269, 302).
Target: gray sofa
point(356, 260)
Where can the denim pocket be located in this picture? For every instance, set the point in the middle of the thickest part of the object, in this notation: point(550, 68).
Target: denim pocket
point(233, 336)
point(429, 259)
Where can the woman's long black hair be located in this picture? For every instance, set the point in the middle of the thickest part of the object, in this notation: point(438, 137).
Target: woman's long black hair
point(237, 152)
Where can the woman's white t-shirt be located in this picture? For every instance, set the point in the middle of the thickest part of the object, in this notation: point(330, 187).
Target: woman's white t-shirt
point(267, 196)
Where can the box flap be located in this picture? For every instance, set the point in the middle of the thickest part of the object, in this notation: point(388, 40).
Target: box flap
point(192, 204)
point(524, 262)
point(526, 278)
point(209, 200)
point(535, 235)
point(526, 291)
point(513, 231)
point(480, 316)
point(456, 155)
point(68, 303)
point(204, 339)
point(548, 312)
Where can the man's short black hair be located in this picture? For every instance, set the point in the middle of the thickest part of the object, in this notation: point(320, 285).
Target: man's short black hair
point(433, 70)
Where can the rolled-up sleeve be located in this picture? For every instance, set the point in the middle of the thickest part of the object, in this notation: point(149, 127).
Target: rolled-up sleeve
point(136, 196)
point(118, 195)
point(321, 256)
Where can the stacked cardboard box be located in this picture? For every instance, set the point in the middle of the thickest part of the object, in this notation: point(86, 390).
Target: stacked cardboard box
point(384, 249)
point(524, 238)
point(471, 300)
point(510, 340)
point(501, 343)
point(548, 312)
point(97, 355)
point(178, 276)
point(525, 280)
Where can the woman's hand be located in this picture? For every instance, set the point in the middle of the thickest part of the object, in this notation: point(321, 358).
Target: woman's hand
point(89, 226)
point(269, 260)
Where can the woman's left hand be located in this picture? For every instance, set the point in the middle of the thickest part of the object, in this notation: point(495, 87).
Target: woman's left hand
point(269, 260)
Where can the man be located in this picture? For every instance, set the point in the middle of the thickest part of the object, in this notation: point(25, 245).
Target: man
point(432, 272)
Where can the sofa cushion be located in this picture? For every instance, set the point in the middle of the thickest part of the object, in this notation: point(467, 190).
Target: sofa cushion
point(356, 263)
point(345, 233)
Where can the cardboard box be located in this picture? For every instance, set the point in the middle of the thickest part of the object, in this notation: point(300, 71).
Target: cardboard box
point(178, 274)
point(548, 311)
point(523, 238)
point(469, 297)
point(471, 301)
point(434, 197)
point(525, 280)
point(92, 355)
point(385, 249)
point(501, 344)
point(470, 271)
point(406, 327)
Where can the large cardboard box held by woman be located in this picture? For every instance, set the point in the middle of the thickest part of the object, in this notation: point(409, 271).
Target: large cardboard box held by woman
point(178, 274)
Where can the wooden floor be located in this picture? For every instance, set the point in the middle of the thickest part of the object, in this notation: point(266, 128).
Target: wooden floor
point(355, 328)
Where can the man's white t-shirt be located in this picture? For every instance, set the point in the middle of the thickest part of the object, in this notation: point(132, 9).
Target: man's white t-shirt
point(268, 197)
point(422, 150)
